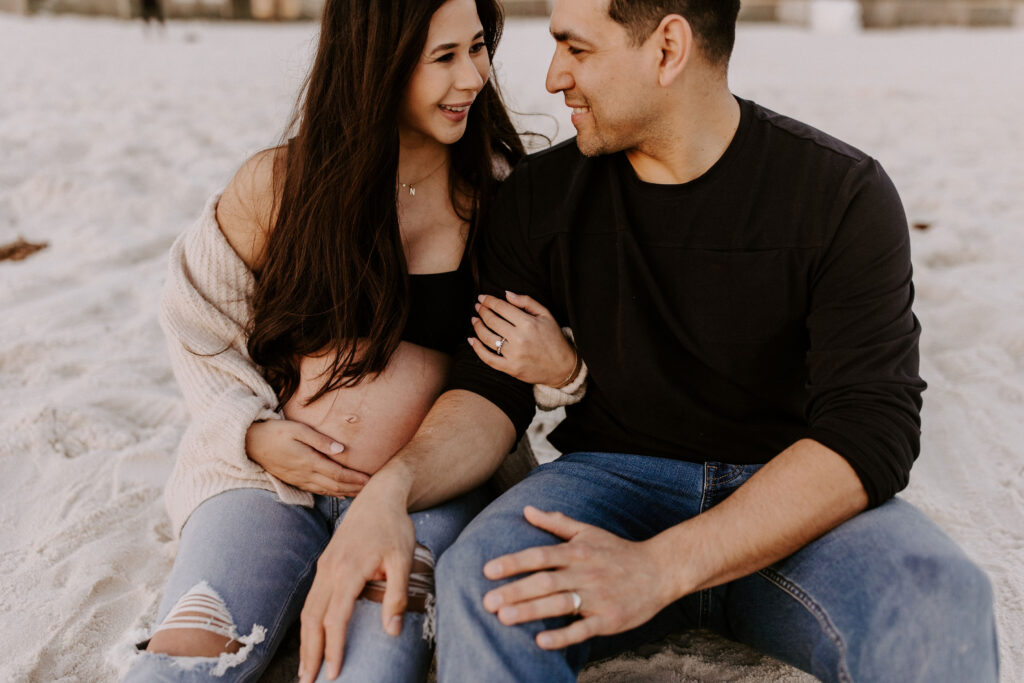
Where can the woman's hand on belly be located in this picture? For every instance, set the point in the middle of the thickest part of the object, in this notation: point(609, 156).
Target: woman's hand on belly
point(375, 418)
point(301, 456)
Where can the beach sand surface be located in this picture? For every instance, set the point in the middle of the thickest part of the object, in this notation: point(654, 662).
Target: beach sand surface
point(110, 141)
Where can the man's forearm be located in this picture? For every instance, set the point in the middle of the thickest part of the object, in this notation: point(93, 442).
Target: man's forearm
point(798, 496)
point(460, 444)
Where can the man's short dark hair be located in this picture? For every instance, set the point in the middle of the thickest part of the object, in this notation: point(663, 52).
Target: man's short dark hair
point(713, 21)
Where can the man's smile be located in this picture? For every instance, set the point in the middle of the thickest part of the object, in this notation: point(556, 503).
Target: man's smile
point(578, 112)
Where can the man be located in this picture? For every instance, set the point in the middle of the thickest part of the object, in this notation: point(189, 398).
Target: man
point(740, 287)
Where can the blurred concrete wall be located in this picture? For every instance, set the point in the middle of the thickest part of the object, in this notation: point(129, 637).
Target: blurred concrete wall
point(120, 8)
point(890, 13)
point(812, 13)
point(527, 8)
point(132, 8)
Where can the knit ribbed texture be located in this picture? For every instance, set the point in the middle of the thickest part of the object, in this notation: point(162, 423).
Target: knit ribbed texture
point(205, 311)
point(549, 398)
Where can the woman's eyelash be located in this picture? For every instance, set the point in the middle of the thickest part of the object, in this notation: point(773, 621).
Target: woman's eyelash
point(474, 49)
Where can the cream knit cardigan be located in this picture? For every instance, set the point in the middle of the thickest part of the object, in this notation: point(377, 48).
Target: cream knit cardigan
point(205, 311)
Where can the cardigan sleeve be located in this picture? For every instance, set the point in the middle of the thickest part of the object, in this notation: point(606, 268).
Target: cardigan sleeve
point(549, 398)
point(205, 311)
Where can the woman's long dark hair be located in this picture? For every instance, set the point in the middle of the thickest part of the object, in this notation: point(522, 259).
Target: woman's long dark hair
point(334, 272)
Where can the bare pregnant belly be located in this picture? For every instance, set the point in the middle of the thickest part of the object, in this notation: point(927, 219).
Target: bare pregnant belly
point(377, 417)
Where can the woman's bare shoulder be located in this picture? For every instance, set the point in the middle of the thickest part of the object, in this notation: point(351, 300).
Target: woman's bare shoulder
point(247, 209)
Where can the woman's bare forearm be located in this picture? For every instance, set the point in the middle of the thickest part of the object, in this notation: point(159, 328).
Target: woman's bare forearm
point(461, 442)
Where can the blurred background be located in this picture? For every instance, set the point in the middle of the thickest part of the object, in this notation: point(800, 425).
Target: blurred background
point(869, 13)
point(113, 133)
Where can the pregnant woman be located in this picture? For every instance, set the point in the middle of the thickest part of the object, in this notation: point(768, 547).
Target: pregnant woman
point(311, 314)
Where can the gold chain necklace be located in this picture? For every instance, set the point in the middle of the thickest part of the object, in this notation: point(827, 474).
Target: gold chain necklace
point(411, 187)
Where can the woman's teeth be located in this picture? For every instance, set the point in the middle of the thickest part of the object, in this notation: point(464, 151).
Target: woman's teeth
point(457, 110)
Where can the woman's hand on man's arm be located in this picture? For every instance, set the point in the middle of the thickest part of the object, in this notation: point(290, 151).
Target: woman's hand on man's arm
point(534, 349)
point(301, 456)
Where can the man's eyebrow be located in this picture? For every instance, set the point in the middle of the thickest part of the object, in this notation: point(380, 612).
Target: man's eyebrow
point(564, 36)
point(452, 46)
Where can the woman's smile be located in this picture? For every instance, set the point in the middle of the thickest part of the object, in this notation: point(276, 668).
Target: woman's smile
point(455, 112)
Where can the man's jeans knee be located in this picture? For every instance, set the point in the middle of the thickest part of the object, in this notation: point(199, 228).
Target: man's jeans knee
point(887, 596)
point(471, 639)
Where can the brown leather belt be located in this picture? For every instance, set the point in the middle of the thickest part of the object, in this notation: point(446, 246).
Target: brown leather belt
point(421, 583)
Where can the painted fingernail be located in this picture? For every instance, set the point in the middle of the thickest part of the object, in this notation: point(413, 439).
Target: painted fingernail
point(336, 448)
point(395, 625)
point(476, 307)
point(509, 614)
point(475, 320)
point(544, 640)
point(480, 298)
point(469, 340)
point(510, 294)
point(492, 568)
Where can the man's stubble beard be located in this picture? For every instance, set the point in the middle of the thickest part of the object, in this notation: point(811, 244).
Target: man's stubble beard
point(595, 145)
point(588, 149)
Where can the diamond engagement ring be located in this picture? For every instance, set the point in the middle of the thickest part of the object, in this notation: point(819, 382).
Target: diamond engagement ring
point(498, 344)
point(577, 602)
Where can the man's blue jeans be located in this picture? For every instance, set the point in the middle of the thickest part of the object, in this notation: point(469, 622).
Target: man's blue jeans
point(887, 596)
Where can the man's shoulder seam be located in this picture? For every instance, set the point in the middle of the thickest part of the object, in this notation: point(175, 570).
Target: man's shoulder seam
point(803, 131)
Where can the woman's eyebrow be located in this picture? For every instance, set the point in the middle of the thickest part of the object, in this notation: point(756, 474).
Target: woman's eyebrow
point(452, 46)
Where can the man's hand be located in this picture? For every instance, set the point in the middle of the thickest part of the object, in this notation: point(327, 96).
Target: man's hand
point(799, 495)
point(618, 582)
point(375, 541)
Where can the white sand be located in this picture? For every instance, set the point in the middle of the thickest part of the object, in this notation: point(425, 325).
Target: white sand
point(109, 144)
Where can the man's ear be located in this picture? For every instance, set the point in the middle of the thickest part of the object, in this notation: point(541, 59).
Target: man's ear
point(675, 43)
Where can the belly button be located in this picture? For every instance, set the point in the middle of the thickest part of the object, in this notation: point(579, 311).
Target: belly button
point(352, 419)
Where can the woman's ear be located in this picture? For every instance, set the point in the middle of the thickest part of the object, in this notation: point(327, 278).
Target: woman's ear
point(675, 43)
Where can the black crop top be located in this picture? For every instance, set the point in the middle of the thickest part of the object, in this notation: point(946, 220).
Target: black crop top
point(440, 308)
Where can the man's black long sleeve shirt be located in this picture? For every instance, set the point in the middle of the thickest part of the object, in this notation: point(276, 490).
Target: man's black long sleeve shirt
point(766, 301)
